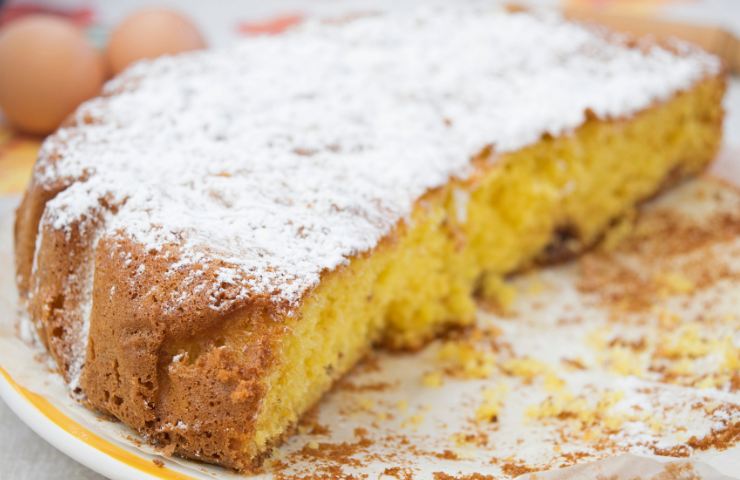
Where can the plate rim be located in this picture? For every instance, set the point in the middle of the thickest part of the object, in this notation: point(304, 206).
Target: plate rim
point(17, 399)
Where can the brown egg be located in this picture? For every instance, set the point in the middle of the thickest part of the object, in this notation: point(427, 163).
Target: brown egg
point(151, 33)
point(47, 68)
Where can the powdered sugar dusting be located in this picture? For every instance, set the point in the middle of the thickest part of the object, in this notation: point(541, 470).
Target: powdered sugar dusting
point(283, 157)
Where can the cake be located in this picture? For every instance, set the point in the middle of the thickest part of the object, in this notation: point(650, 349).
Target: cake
point(209, 245)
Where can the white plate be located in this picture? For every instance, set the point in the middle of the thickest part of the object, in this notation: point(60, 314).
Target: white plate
point(428, 416)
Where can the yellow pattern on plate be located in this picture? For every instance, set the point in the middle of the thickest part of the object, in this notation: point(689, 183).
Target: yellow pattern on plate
point(78, 431)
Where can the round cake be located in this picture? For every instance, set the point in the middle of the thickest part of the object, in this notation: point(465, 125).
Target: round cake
point(209, 245)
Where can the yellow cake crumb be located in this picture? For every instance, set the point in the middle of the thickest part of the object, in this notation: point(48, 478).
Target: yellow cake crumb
point(366, 404)
point(382, 416)
point(495, 289)
point(529, 368)
point(432, 379)
point(565, 406)
point(674, 283)
point(624, 361)
point(619, 231)
point(709, 381)
point(668, 319)
point(413, 421)
point(462, 439)
point(553, 383)
point(655, 425)
point(552, 407)
point(596, 339)
point(731, 354)
point(686, 342)
point(526, 368)
point(465, 360)
point(493, 400)
point(681, 367)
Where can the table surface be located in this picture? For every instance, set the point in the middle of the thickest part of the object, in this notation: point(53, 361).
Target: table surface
point(23, 455)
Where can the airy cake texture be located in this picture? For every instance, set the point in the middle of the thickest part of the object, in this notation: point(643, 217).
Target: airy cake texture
point(209, 245)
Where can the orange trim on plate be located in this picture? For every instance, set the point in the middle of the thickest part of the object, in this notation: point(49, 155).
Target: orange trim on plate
point(78, 431)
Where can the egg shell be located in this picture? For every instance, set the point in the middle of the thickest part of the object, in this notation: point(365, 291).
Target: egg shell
point(151, 33)
point(47, 68)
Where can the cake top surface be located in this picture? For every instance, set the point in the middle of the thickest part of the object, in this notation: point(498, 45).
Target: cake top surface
point(282, 157)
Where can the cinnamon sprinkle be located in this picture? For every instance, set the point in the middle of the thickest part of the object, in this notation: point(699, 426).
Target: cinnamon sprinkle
point(399, 473)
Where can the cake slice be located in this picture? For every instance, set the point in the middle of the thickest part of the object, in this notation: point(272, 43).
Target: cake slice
point(209, 245)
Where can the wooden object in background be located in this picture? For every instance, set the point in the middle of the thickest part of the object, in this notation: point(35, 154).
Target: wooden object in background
point(713, 39)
